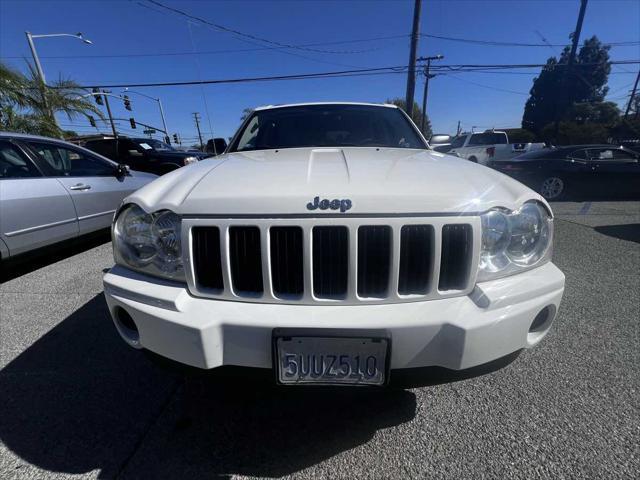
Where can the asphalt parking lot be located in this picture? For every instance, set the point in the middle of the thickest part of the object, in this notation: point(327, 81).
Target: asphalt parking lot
point(76, 402)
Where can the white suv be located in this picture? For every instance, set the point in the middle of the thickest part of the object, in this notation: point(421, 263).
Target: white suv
point(490, 145)
point(331, 245)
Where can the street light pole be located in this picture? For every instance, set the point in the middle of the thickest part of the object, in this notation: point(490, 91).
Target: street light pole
point(106, 103)
point(36, 60)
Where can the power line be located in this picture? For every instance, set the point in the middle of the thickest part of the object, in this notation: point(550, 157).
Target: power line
point(263, 48)
point(342, 73)
point(218, 52)
point(485, 86)
point(337, 74)
point(245, 35)
point(517, 44)
point(254, 40)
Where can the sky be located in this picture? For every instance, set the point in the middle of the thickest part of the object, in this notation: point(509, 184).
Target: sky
point(135, 41)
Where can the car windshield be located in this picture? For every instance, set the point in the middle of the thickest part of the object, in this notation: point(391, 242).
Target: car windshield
point(327, 126)
point(152, 144)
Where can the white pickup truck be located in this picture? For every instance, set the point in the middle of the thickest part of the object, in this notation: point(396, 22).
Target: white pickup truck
point(330, 245)
point(489, 145)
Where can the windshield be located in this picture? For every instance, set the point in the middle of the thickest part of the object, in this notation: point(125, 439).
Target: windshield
point(327, 126)
point(542, 153)
point(152, 144)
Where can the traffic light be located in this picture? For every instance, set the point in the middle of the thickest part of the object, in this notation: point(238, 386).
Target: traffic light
point(175, 138)
point(167, 140)
point(132, 122)
point(127, 102)
point(92, 121)
point(98, 98)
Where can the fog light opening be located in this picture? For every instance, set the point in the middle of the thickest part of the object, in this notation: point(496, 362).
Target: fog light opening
point(543, 320)
point(127, 326)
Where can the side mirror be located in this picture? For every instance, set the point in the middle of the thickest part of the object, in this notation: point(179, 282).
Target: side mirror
point(221, 144)
point(122, 170)
point(216, 146)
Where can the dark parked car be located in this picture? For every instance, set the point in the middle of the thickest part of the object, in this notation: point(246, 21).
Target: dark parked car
point(143, 154)
point(579, 171)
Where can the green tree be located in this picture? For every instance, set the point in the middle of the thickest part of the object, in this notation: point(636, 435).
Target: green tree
point(571, 133)
point(597, 112)
point(554, 92)
point(416, 117)
point(520, 135)
point(27, 106)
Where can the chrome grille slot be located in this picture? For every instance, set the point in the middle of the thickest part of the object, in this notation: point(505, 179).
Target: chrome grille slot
point(246, 260)
point(416, 259)
point(330, 261)
point(207, 261)
point(287, 266)
point(455, 260)
point(374, 260)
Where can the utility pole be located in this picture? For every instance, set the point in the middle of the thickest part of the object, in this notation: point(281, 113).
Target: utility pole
point(164, 124)
point(458, 129)
point(106, 103)
point(411, 73)
point(196, 117)
point(427, 76)
point(575, 39)
point(576, 36)
point(633, 95)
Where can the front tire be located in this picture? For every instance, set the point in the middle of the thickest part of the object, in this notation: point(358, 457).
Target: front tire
point(553, 188)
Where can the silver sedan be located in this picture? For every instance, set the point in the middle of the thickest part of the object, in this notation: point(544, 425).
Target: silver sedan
point(52, 191)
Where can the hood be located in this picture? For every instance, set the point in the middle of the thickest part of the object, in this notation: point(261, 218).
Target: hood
point(373, 180)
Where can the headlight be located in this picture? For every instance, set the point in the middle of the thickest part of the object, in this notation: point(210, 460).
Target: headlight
point(514, 241)
point(189, 160)
point(149, 243)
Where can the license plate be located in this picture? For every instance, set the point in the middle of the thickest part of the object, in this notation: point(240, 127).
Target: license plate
point(331, 360)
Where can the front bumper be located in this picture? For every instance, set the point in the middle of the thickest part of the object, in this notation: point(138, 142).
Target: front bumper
point(456, 333)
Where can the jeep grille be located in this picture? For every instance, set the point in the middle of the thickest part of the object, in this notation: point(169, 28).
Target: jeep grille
point(327, 261)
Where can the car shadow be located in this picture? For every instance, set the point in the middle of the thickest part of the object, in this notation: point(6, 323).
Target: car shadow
point(230, 427)
point(79, 400)
point(629, 232)
point(42, 257)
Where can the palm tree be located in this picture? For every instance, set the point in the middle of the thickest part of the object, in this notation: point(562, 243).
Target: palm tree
point(28, 106)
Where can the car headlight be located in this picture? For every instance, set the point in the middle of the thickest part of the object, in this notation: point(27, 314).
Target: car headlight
point(514, 241)
point(189, 160)
point(149, 242)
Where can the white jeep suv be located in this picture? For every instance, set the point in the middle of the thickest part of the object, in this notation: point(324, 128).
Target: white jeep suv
point(330, 244)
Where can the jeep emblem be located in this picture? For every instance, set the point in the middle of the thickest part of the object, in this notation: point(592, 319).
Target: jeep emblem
point(325, 203)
